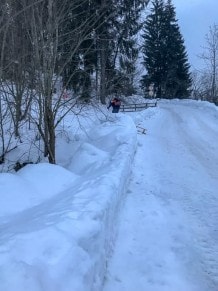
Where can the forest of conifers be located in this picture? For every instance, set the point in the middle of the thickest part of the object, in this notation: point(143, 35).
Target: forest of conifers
point(85, 49)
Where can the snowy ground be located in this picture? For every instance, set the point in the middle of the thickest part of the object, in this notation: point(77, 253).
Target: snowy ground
point(59, 225)
point(168, 236)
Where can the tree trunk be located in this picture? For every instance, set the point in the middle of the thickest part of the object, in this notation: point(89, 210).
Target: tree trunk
point(103, 71)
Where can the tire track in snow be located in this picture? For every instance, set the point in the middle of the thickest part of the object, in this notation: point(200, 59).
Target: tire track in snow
point(206, 246)
point(202, 205)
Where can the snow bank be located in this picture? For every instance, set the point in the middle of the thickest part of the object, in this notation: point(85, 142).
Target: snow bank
point(30, 186)
point(65, 233)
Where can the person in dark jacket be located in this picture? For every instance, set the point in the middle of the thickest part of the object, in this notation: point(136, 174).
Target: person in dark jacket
point(115, 103)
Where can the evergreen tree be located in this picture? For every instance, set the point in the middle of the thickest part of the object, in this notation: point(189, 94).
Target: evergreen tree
point(122, 49)
point(127, 24)
point(105, 60)
point(76, 46)
point(164, 53)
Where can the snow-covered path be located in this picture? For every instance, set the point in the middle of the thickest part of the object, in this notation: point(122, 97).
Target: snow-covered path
point(168, 235)
point(58, 226)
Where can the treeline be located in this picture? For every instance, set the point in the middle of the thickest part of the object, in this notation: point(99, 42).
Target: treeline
point(89, 43)
point(87, 46)
point(90, 48)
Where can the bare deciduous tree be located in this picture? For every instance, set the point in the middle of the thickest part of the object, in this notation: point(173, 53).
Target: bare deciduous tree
point(46, 36)
point(210, 56)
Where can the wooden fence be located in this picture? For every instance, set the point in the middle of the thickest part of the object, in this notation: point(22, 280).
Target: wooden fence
point(136, 107)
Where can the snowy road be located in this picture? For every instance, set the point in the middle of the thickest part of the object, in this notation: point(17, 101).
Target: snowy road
point(168, 235)
point(59, 225)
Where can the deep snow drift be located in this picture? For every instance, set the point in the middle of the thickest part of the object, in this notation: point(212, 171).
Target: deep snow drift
point(59, 226)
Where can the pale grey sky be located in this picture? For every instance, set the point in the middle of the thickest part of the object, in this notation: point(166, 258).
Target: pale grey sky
point(195, 17)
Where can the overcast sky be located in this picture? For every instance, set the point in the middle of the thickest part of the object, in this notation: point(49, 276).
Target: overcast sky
point(195, 17)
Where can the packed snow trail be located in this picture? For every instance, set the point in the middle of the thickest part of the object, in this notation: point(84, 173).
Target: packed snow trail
point(168, 233)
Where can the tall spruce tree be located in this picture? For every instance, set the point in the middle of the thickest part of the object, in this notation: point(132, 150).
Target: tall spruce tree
point(128, 24)
point(122, 48)
point(164, 53)
point(105, 60)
